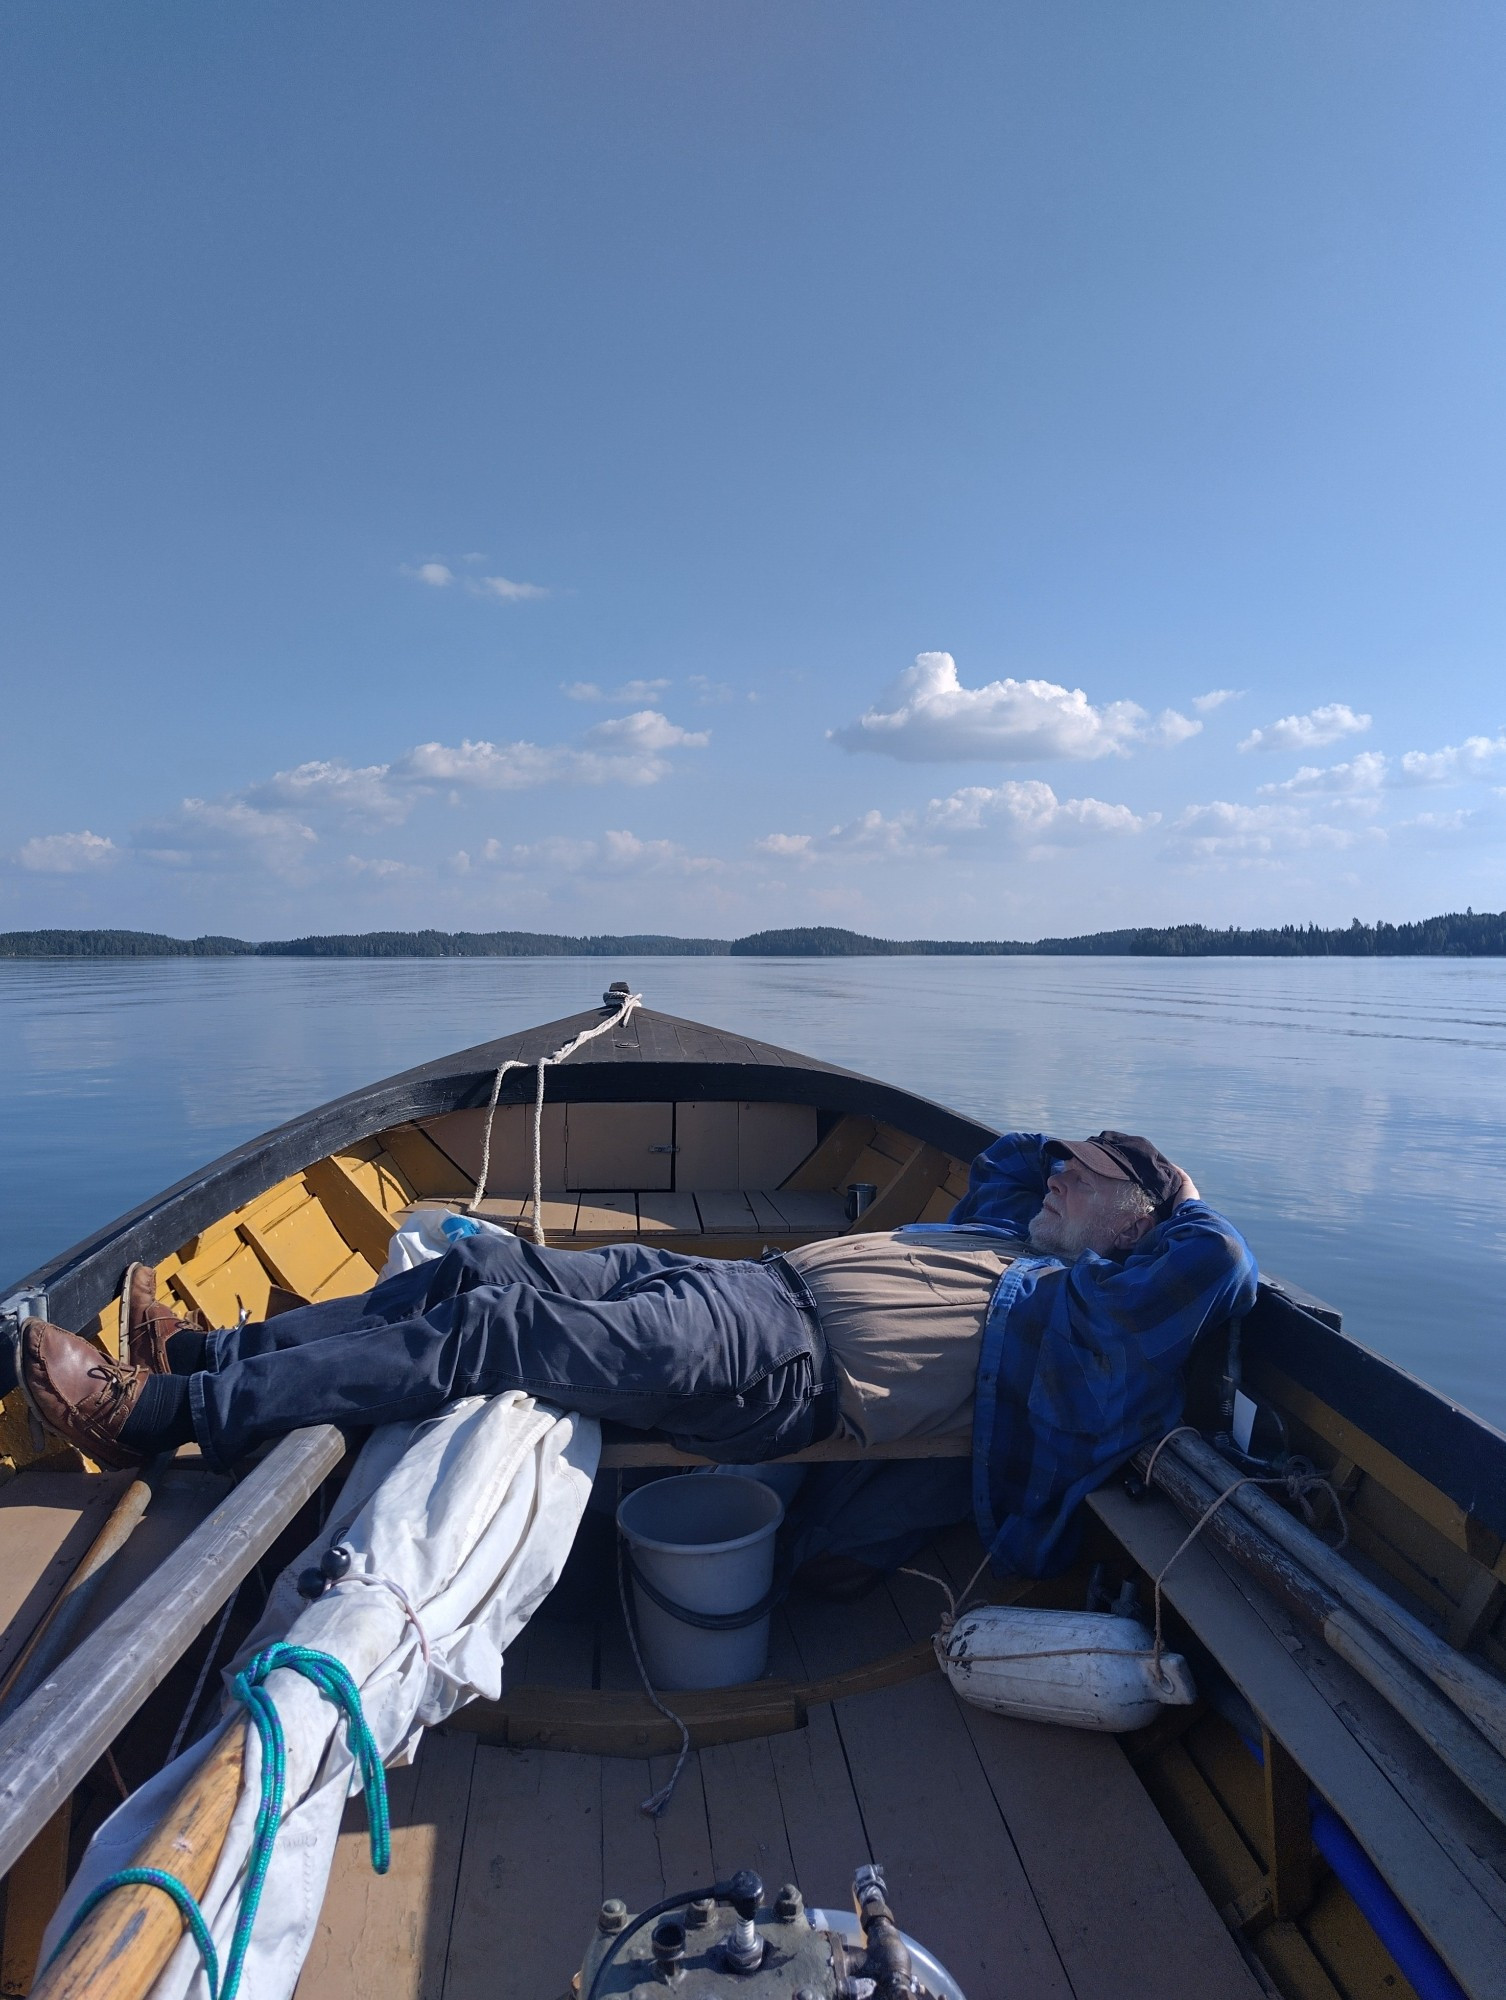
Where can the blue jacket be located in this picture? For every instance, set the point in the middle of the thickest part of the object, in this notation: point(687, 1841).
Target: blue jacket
point(1080, 1367)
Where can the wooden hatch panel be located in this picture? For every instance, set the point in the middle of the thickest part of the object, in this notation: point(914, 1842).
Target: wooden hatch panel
point(721, 1176)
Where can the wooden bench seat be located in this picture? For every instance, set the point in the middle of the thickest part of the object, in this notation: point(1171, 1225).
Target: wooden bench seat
point(779, 1216)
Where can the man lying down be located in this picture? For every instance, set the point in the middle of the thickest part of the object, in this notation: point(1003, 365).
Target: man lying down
point(1050, 1317)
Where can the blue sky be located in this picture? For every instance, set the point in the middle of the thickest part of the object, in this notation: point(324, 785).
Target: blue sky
point(977, 470)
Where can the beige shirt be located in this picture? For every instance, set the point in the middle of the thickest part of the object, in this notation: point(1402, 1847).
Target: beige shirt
point(903, 1318)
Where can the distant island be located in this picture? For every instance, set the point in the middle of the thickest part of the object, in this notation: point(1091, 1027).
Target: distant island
point(1468, 935)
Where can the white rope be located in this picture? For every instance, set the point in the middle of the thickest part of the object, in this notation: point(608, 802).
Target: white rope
point(615, 1020)
point(387, 1583)
point(654, 1804)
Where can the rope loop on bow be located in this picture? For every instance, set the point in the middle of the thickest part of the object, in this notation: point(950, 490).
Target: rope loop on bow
point(629, 1003)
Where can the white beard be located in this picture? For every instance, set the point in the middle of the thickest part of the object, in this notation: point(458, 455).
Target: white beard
point(1052, 1237)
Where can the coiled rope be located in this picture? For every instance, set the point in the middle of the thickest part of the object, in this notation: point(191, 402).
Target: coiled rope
point(615, 1020)
point(1298, 1481)
point(334, 1681)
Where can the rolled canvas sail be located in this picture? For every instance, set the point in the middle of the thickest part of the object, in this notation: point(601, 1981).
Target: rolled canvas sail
point(472, 1514)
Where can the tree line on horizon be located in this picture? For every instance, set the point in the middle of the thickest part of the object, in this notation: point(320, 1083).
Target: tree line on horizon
point(1467, 934)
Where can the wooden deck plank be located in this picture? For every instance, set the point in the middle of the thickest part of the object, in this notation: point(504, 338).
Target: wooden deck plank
point(682, 1829)
point(822, 1819)
point(390, 1934)
point(631, 1865)
point(47, 1521)
point(508, 1209)
point(803, 1209)
point(765, 1214)
point(530, 1875)
point(661, 1214)
point(558, 1211)
point(955, 1879)
point(744, 1811)
point(725, 1212)
point(614, 1215)
point(1129, 1918)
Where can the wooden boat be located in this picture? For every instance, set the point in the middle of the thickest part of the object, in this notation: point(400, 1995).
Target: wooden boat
point(1303, 1829)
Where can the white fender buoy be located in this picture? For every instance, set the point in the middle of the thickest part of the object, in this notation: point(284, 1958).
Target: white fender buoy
point(1088, 1669)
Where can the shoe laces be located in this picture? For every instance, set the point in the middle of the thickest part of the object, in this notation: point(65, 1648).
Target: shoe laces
point(117, 1381)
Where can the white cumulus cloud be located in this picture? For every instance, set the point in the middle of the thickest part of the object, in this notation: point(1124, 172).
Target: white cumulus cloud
point(380, 870)
point(67, 853)
point(618, 852)
point(1215, 698)
point(363, 790)
point(504, 589)
point(1032, 809)
point(1221, 831)
point(1313, 731)
point(872, 836)
point(1363, 774)
point(1171, 728)
point(628, 693)
point(624, 750)
point(225, 833)
point(1026, 811)
point(927, 715)
point(1475, 757)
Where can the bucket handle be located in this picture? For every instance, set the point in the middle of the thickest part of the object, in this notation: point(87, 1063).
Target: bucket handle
point(710, 1621)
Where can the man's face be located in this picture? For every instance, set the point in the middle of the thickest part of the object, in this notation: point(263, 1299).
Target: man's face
point(1082, 1211)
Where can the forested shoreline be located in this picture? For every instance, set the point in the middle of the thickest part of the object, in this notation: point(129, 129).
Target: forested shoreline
point(1470, 934)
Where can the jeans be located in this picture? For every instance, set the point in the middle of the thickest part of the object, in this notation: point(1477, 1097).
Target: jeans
point(723, 1358)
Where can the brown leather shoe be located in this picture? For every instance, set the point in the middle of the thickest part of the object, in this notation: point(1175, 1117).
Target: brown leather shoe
point(79, 1392)
point(147, 1326)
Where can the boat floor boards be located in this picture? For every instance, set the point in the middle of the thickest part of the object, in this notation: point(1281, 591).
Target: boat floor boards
point(1031, 1860)
point(47, 1520)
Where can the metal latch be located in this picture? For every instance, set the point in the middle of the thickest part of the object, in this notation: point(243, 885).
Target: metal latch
point(20, 1306)
point(15, 1309)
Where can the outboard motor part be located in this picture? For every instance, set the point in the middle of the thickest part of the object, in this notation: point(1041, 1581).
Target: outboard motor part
point(729, 1943)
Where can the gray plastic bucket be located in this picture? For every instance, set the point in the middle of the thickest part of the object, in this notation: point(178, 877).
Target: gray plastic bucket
point(706, 1544)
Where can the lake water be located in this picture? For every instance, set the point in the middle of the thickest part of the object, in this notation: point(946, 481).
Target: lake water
point(1350, 1116)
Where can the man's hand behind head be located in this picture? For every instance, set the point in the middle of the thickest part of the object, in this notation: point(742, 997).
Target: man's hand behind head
point(1187, 1191)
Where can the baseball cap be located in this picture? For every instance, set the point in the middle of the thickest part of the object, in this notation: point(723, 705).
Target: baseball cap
point(1124, 1156)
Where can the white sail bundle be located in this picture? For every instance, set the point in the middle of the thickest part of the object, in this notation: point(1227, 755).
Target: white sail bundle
point(467, 1519)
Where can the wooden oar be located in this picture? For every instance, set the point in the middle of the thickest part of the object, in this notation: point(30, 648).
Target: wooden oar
point(1317, 1606)
point(1470, 1686)
point(121, 1947)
